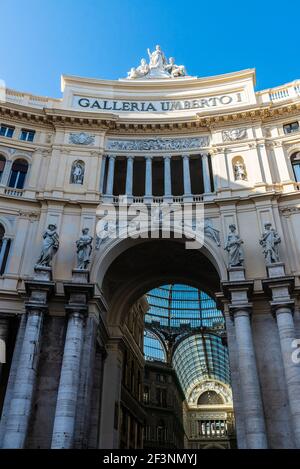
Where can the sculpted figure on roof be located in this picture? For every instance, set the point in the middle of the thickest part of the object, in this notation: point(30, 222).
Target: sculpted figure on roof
point(158, 67)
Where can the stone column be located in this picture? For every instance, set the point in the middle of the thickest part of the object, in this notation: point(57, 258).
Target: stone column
point(167, 176)
point(22, 395)
point(102, 173)
point(20, 405)
point(237, 290)
point(12, 376)
point(110, 176)
point(280, 285)
point(148, 184)
point(78, 292)
point(64, 422)
point(87, 371)
point(205, 173)
point(129, 176)
point(287, 335)
point(250, 389)
point(186, 176)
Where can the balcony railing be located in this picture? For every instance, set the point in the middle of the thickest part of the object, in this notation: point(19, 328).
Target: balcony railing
point(118, 199)
point(13, 192)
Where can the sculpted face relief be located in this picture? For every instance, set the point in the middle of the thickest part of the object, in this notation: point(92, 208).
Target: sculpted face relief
point(98, 104)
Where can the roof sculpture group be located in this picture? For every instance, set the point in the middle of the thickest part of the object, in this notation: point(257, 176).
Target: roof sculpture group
point(158, 67)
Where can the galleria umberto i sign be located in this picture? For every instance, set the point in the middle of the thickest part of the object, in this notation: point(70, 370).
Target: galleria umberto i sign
point(159, 87)
point(207, 102)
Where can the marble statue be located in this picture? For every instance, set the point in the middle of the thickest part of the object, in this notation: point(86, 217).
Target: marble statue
point(77, 173)
point(239, 171)
point(50, 246)
point(234, 249)
point(270, 241)
point(158, 67)
point(84, 249)
point(175, 70)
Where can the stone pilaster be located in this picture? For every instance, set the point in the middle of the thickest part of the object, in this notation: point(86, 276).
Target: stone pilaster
point(279, 287)
point(16, 427)
point(238, 290)
point(78, 293)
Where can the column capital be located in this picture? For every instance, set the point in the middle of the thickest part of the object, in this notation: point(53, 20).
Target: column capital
point(149, 157)
point(130, 157)
point(186, 156)
point(167, 157)
point(240, 310)
point(112, 157)
point(283, 307)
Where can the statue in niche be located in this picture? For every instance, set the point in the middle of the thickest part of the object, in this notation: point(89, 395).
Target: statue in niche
point(50, 246)
point(239, 171)
point(84, 249)
point(234, 249)
point(77, 173)
point(270, 241)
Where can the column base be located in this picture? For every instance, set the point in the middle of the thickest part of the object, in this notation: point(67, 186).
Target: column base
point(236, 273)
point(80, 276)
point(42, 273)
point(276, 270)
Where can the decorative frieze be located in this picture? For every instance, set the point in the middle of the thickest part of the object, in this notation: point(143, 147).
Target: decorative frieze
point(234, 134)
point(81, 138)
point(158, 144)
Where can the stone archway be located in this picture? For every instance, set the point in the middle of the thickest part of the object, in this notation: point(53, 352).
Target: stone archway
point(130, 268)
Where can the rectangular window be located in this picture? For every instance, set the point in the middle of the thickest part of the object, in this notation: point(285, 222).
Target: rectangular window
point(6, 131)
point(292, 127)
point(27, 135)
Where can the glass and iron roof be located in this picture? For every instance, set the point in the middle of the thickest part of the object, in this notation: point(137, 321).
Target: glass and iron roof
point(179, 305)
point(197, 356)
point(201, 357)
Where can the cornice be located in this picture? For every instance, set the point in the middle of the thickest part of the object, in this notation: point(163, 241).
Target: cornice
point(114, 124)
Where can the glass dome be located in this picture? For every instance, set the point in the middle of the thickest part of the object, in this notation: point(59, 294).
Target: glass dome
point(177, 305)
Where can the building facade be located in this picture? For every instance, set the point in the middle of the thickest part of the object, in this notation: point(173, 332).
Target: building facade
point(74, 371)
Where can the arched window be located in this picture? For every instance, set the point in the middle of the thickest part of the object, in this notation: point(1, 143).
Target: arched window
point(210, 398)
point(18, 174)
point(77, 172)
point(295, 160)
point(153, 348)
point(2, 165)
point(4, 249)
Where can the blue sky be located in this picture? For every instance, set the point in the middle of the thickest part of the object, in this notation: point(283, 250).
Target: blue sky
point(40, 40)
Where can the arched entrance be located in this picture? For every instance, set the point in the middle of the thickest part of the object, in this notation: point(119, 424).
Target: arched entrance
point(130, 269)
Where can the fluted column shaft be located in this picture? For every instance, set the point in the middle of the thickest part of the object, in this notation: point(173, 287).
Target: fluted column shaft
point(287, 335)
point(65, 413)
point(250, 389)
point(205, 172)
point(148, 183)
point(186, 175)
point(167, 176)
point(110, 176)
point(129, 176)
point(21, 400)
